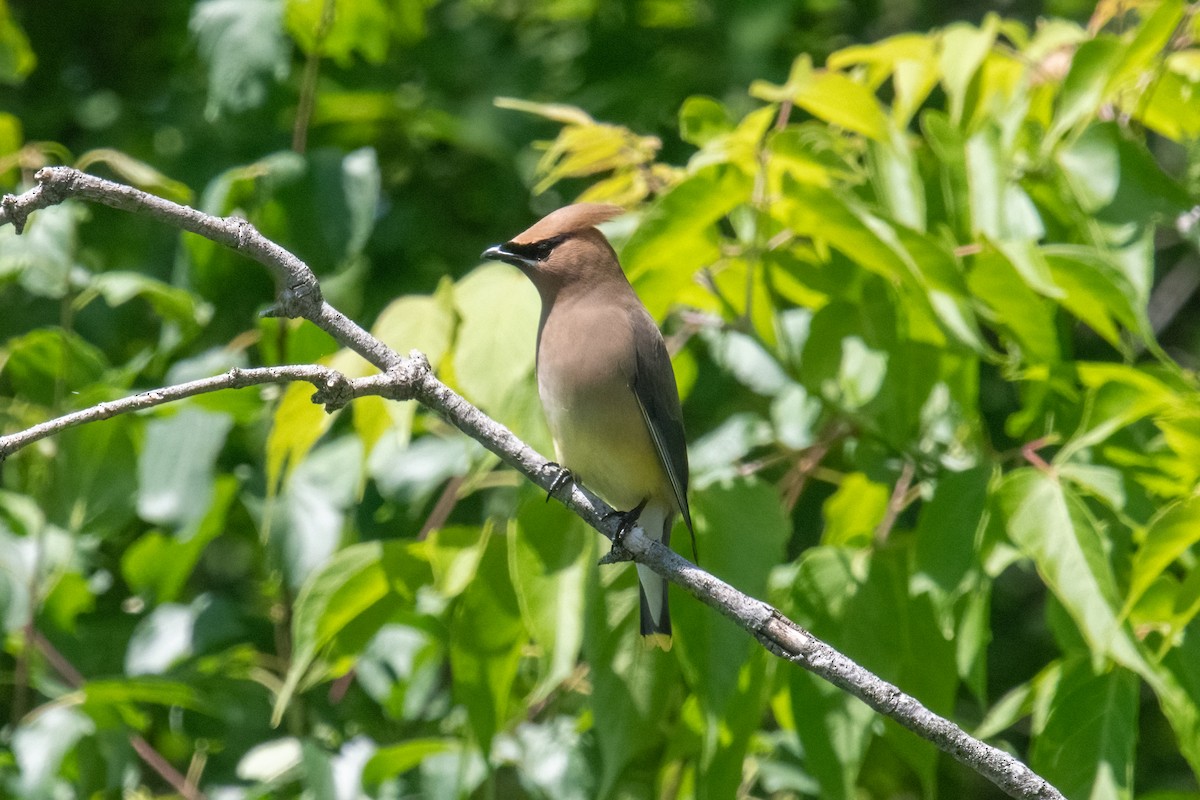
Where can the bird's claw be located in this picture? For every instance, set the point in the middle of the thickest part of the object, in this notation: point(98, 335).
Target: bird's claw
point(561, 479)
point(628, 522)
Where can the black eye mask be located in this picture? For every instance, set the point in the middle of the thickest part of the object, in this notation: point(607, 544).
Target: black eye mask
point(535, 251)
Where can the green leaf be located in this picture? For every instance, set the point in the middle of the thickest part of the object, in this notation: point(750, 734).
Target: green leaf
point(157, 566)
point(454, 553)
point(894, 174)
point(1113, 405)
point(636, 689)
point(495, 346)
point(1117, 179)
point(1176, 682)
point(487, 638)
point(677, 236)
point(717, 454)
point(701, 119)
point(749, 362)
point(155, 691)
point(1171, 110)
point(314, 506)
point(41, 742)
point(1051, 526)
point(48, 361)
point(1000, 208)
point(836, 730)
point(1086, 84)
point(176, 467)
point(1097, 292)
point(709, 644)
point(42, 258)
point(136, 172)
point(419, 322)
point(94, 485)
point(829, 96)
point(410, 474)
point(361, 27)
point(854, 511)
point(167, 301)
point(1153, 37)
point(390, 762)
point(549, 557)
point(860, 602)
point(1170, 535)
point(17, 58)
point(949, 532)
point(161, 639)
point(912, 61)
point(352, 595)
point(1027, 317)
point(1086, 748)
point(963, 50)
point(243, 43)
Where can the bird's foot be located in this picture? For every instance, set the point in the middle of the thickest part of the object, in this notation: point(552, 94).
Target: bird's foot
point(561, 479)
point(629, 519)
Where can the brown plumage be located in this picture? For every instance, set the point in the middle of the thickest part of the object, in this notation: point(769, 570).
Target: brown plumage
point(606, 382)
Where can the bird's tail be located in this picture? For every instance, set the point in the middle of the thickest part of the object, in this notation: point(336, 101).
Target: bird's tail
point(655, 613)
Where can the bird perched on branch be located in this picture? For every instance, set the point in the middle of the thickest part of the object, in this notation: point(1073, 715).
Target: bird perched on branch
point(606, 383)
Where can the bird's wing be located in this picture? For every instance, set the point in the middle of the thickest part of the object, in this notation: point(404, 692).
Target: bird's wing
point(658, 399)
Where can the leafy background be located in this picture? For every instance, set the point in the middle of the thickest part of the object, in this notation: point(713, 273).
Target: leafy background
point(929, 275)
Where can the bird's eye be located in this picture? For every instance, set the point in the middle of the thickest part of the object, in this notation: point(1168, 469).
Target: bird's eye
point(535, 251)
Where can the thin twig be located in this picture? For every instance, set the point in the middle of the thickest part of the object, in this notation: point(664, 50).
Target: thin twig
point(144, 749)
point(333, 389)
point(308, 84)
point(896, 503)
point(445, 504)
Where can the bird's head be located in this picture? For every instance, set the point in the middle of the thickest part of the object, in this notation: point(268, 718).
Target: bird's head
point(563, 247)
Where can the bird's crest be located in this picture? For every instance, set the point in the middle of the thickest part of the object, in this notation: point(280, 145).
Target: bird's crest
point(568, 219)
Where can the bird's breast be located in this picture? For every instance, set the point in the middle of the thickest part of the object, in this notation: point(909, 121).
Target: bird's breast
point(585, 371)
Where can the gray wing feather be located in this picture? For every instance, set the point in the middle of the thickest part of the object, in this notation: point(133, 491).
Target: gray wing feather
point(658, 399)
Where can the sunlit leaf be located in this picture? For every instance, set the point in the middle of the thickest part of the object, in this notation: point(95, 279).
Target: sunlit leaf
point(854, 511)
point(1052, 527)
point(1168, 536)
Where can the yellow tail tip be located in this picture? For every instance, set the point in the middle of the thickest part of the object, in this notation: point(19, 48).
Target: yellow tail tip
point(659, 640)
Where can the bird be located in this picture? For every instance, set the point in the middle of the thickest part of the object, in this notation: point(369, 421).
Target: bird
point(606, 384)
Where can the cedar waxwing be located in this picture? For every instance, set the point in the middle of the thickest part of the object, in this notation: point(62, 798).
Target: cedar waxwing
point(606, 383)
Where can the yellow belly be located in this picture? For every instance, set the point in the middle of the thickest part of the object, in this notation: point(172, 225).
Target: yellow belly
point(599, 434)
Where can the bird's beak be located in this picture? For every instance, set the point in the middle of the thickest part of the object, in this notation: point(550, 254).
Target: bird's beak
point(499, 253)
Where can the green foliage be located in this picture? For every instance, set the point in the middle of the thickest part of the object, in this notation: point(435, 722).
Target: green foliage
point(933, 332)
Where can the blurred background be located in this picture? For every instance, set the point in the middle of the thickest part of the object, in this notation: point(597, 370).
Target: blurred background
point(169, 581)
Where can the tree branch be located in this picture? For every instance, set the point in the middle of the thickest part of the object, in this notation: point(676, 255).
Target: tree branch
point(333, 389)
point(412, 378)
